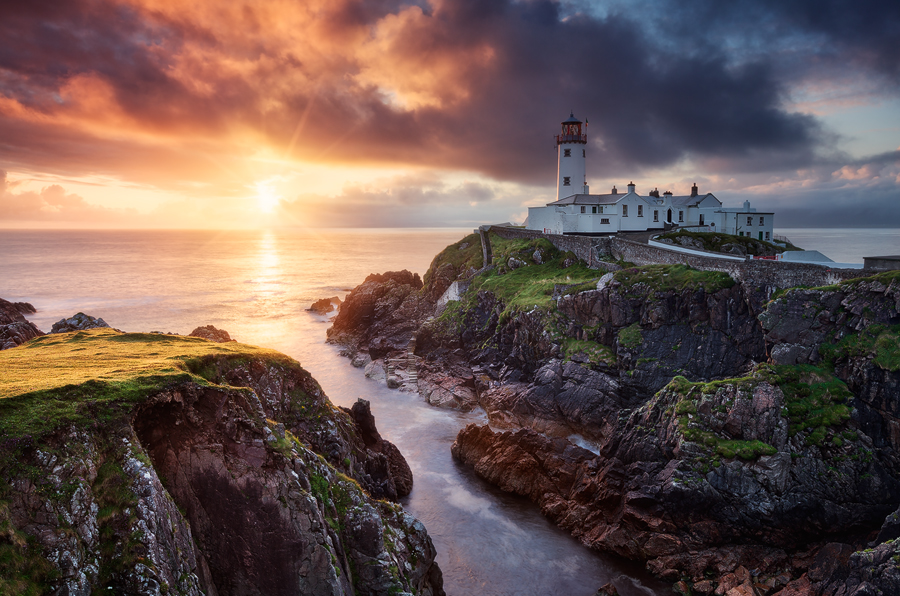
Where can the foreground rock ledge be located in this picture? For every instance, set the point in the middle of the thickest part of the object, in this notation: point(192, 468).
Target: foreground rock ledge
point(234, 475)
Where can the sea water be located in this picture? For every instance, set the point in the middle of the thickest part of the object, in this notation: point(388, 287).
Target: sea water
point(257, 285)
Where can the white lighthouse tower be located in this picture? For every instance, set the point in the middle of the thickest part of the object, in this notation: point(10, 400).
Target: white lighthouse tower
point(571, 144)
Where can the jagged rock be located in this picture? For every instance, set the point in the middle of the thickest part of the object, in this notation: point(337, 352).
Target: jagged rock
point(78, 322)
point(537, 256)
point(381, 315)
point(211, 333)
point(325, 305)
point(400, 473)
point(196, 489)
point(15, 329)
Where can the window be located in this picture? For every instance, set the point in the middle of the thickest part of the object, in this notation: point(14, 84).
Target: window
point(583, 154)
point(624, 210)
point(681, 216)
point(749, 221)
point(594, 209)
point(762, 220)
point(767, 235)
point(582, 209)
point(601, 208)
point(567, 153)
point(655, 215)
point(701, 219)
point(640, 211)
point(566, 181)
point(604, 220)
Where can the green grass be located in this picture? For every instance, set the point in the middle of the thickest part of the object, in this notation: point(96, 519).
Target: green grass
point(814, 398)
point(882, 342)
point(462, 259)
point(532, 286)
point(886, 278)
point(714, 241)
point(96, 376)
point(630, 337)
point(596, 352)
point(662, 278)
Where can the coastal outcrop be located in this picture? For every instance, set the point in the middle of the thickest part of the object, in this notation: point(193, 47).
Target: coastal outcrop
point(15, 329)
point(718, 431)
point(184, 466)
point(211, 333)
point(325, 305)
point(380, 315)
point(78, 322)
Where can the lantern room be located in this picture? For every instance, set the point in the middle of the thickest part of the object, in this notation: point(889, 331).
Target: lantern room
point(572, 131)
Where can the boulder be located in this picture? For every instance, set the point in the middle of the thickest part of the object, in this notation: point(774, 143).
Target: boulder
point(78, 322)
point(325, 305)
point(211, 333)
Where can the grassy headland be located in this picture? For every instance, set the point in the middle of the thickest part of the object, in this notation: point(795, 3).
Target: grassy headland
point(89, 375)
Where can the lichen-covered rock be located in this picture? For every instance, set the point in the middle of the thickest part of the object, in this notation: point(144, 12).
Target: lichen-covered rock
point(237, 478)
point(700, 475)
point(78, 322)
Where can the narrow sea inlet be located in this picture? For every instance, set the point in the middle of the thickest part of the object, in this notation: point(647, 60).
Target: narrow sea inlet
point(257, 286)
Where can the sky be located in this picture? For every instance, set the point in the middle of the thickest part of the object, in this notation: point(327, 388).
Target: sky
point(431, 113)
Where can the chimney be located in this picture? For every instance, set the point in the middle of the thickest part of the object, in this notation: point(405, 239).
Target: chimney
point(654, 193)
point(587, 189)
point(747, 206)
point(667, 194)
point(614, 191)
point(631, 187)
point(694, 190)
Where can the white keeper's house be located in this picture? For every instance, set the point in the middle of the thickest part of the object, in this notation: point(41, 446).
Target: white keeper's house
point(577, 212)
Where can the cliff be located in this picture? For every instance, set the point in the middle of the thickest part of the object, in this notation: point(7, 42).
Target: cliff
point(159, 464)
point(726, 433)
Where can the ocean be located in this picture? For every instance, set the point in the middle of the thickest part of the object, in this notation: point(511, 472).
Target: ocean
point(258, 285)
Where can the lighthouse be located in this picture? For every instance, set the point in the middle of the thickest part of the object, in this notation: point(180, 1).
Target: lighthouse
point(571, 145)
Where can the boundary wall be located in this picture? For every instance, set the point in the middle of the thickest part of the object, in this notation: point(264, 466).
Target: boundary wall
point(758, 273)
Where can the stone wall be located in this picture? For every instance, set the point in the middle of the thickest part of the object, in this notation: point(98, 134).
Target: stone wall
point(759, 274)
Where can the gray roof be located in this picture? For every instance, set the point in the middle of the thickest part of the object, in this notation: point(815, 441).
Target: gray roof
point(588, 200)
point(689, 201)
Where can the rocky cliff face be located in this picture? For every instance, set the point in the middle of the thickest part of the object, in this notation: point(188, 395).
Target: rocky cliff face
point(237, 477)
point(15, 329)
point(706, 462)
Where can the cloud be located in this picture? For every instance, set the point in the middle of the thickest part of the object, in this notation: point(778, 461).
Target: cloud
point(425, 200)
point(860, 193)
point(54, 204)
point(458, 84)
point(192, 99)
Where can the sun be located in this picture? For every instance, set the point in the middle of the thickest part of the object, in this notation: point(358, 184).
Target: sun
point(266, 197)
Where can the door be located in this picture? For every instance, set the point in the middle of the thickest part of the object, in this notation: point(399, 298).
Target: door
point(760, 235)
point(669, 216)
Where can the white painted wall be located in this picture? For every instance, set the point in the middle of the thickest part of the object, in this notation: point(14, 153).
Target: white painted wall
point(572, 167)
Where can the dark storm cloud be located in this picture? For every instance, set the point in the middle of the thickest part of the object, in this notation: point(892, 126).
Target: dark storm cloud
point(473, 84)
